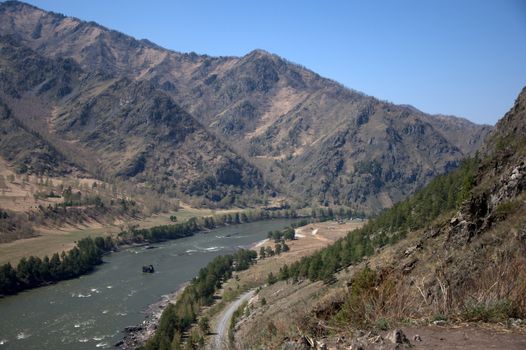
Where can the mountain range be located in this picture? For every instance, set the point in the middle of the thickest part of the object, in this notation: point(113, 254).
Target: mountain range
point(80, 98)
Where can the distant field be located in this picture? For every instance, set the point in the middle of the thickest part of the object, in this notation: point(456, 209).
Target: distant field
point(53, 241)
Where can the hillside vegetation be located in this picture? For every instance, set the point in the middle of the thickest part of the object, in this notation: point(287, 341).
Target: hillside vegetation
point(453, 252)
point(442, 195)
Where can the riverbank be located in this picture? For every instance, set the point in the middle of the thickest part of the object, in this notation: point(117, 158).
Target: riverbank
point(84, 312)
point(309, 239)
point(136, 336)
point(11, 284)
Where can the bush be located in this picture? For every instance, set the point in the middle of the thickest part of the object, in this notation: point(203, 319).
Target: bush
point(497, 311)
point(507, 208)
point(382, 324)
point(271, 279)
point(357, 309)
point(204, 325)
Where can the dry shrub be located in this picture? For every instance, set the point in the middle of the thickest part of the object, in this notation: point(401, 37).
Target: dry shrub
point(373, 297)
point(379, 299)
point(329, 303)
point(498, 292)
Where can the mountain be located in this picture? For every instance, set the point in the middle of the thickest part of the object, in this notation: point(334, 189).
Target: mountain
point(452, 256)
point(59, 118)
point(273, 126)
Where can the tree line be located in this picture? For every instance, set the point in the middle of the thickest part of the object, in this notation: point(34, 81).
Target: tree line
point(34, 272)
point(193, 225)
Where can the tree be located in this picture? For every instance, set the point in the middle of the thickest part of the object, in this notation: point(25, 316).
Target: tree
point(277, 248)
point(284, 272)
point(9, 283)
point(271, 279)
point(173, 218)
point(289, 234)
point(270, 252)
point(204, 325)
point(262, 253)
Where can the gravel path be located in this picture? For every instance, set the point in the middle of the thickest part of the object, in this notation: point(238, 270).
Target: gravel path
point(221, 337)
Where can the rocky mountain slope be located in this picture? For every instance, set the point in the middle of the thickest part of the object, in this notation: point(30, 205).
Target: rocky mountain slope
point(308, 137)
point(59, 118)
point(431, 271)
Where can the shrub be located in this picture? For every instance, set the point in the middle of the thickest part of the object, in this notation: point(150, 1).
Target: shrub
point(496, 311)
point(382, 324)
point(357, 308)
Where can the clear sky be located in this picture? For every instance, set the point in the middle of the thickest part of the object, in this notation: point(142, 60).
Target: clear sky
point(460, 57)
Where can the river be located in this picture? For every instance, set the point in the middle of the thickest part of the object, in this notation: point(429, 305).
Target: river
point(91, 312)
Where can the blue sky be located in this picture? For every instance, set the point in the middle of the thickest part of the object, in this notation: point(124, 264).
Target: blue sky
point(460, 57)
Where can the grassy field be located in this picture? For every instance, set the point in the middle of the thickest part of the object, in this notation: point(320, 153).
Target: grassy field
point(58, 240)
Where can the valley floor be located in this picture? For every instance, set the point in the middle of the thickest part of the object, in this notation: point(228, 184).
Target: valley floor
point(55, 240)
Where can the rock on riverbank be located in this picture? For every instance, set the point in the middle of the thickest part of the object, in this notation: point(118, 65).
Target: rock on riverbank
point(136, 336)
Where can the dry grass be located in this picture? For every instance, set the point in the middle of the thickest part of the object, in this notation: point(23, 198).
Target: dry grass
point(483, 281)
point(275, 318)
point(306, 244)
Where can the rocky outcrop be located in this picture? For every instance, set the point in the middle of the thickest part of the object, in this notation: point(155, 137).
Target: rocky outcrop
point(479, 212)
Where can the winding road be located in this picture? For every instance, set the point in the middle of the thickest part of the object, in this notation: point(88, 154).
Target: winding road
point(221, 337)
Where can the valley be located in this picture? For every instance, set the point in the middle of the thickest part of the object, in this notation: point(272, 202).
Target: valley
point(152, 199)
point(95, 308)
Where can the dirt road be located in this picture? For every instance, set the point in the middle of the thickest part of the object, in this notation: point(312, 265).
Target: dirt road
point(221, 337)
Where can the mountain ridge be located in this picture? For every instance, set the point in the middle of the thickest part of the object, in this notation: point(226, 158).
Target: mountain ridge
point(313, 140)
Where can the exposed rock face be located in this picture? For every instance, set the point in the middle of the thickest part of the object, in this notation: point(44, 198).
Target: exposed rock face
point(502, 176)
point(309, 137)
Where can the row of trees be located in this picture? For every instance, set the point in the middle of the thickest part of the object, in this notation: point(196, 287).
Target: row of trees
point(177, 319)
point(34, 272)
point(443, 194)
point(329, 213)
point(193, 225)
point(59, 214)
point(280, 247)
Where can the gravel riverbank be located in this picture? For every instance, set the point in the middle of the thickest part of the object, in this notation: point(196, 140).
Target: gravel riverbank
point(136, 336)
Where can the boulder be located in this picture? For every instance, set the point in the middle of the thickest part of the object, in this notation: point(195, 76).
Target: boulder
point(398, 337)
